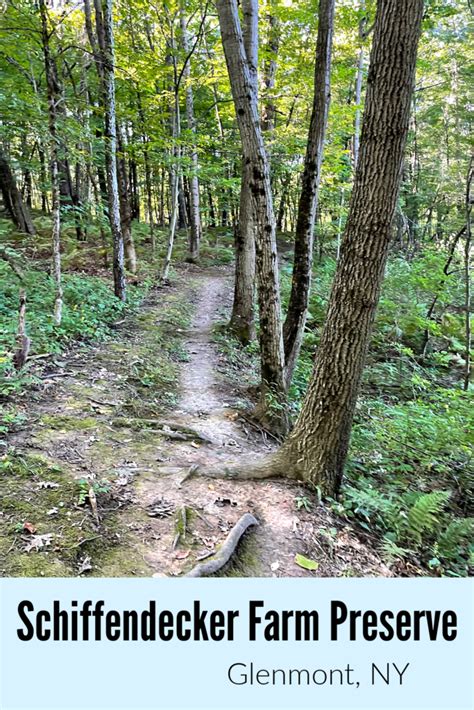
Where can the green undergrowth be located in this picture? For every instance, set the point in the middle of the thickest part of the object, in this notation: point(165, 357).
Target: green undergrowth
point(90, 306)
point(410, 475)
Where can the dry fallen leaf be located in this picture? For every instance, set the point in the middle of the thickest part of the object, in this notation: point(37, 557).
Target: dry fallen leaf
point(182, 554)
point(29, 528)
point(36, 542)
point(85, 565)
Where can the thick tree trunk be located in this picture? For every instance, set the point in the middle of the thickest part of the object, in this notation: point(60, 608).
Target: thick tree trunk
point(106, 41)
point(12, 198)
point(255, 158)
point(317, 448)
point(303, 256)
point(242, 320)
point(195, 234)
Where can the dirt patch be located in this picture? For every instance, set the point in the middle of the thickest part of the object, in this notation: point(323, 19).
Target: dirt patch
point(129, 418)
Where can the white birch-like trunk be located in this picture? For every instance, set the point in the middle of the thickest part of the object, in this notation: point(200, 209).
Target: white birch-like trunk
point(254, 156)
point(194, 204)
point(174, 187)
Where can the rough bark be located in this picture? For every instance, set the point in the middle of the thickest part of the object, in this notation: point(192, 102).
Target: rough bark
point(195, 233)
point(12, 199)
point(242, 320)
point(255, 157)
point(317, 448)
point(303, 254)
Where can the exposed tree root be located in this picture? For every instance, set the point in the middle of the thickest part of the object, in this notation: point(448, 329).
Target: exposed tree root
point(270, 467)
point(168, 429)
point(223, 555)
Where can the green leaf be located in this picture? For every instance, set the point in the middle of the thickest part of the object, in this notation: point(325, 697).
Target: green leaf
point(306, 563)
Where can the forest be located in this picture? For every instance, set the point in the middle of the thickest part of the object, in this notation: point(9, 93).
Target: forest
point(236, 288)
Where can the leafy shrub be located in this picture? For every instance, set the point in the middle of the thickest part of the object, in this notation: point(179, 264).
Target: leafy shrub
point(90, 307)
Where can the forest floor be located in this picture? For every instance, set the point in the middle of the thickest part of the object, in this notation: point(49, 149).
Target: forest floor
point(94, 479)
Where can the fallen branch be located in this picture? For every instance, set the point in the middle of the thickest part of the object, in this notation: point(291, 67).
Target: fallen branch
point(23, 341)
point(171, 430)
point(223, 555)
point(93, 504)
point(258, 427)
point(190, 472)
point(188, 432)
point(5, 256)
point(180, 526)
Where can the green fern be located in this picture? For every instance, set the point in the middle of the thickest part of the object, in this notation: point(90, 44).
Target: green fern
point(392, 552)
point(457, 536)
point(422, 517)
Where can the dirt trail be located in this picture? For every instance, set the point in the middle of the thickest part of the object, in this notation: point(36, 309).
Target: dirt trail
point(105, 420)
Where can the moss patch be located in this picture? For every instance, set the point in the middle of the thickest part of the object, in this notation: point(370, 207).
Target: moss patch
point(68, 423)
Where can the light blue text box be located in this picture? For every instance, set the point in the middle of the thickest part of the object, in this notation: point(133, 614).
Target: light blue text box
point(180, 675)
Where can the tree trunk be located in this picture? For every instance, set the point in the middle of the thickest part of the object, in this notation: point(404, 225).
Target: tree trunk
point(27, 188)
point(52, 92)
point(43, 179)
point(242, 320)
point(12, 198)
point(364, 32)
point(182, 207)
point(317, 448)
point(195, 234)
point(106, 41)
point(467, 275)
point(358, 98)
point(125, 204)
point(255, 159)
point(269, 110)
point(135, 195)
point(174, 186)
point(303, 257)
